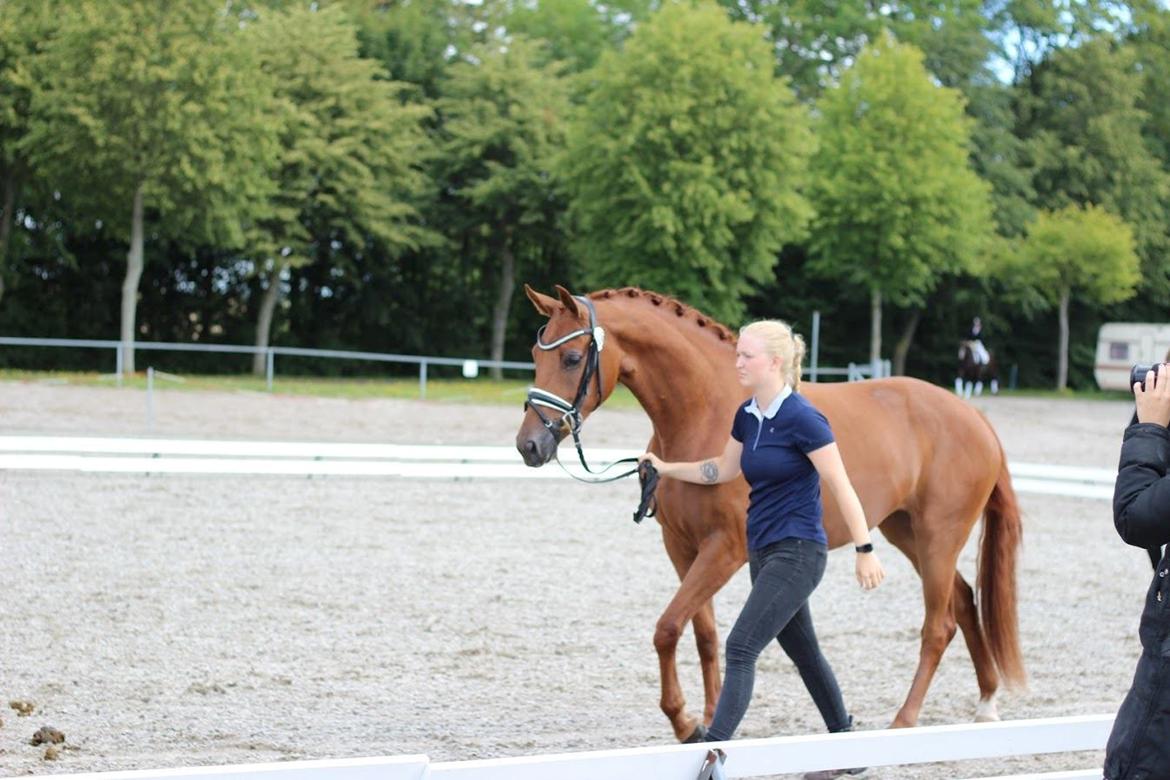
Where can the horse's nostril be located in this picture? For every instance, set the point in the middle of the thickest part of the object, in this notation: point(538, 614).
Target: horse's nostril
point(530, 446)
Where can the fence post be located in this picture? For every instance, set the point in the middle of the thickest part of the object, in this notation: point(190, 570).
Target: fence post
point(422, 380)
point(816, 341)
point(271, 368)
point(150, 398)
point(118, 363)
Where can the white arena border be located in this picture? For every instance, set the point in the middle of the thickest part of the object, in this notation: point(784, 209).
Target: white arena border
point(208, 456)
point(745, 758)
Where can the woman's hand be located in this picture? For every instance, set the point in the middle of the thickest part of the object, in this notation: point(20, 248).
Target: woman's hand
point(653, 459)
point(869, 570)
point(1153, 403)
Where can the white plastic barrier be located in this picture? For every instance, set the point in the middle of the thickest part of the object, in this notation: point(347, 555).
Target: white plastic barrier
point(1063, 480)
point(198, 456)
point(283, 466)
point(90, 445)
point(1084, 774)
point(745, 758)
point(394, 768)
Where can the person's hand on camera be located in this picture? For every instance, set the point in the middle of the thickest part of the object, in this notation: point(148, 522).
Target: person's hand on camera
point(1153, 403)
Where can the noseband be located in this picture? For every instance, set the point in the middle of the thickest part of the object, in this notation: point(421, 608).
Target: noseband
point(570, 413)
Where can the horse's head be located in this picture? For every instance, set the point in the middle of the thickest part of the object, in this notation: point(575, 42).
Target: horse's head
point(576, 370)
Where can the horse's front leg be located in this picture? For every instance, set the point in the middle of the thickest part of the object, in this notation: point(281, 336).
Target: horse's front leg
point(707, 641)
point(716, 561)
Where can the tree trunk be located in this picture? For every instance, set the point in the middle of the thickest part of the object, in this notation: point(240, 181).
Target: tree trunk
point(264, 318)
point(503, 303)
point(130, 283)
point(6, 219)
point(1062, 356)
point(903, 347)
point(875, 332)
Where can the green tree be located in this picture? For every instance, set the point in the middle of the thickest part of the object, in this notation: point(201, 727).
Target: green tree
point(151, 111)
point(1028, 32)
point(576, 31)
point(1150, 44)
point(1080, 119)
point(684, 172)
point(349, 170)
point(815, 40)
point(23, 25)
point(1086, 252)
point(998, 156)
point(413, 39)
point(897, 204)
point(503, 119)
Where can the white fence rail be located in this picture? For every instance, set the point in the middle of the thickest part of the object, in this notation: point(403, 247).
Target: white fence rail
point(200, 456)
point(745, 758)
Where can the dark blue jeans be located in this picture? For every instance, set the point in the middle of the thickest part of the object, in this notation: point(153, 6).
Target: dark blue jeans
point(784, 575)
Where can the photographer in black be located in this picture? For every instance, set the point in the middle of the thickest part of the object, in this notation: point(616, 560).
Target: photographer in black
point(1139, 746)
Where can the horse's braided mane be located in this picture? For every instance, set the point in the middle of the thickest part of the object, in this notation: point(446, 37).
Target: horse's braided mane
point(681, 309)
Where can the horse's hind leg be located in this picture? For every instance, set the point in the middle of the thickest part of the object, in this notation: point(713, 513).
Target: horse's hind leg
point(938, 629)
point(934, 556)
point(897, 529)
point(985, 671)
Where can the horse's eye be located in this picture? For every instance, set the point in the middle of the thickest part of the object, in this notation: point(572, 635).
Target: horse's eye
point(571, 359)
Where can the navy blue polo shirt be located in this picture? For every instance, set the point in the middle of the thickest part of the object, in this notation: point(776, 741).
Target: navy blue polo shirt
point(785, 487)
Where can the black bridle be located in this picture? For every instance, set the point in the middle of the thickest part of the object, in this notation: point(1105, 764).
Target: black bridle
point(570, 413)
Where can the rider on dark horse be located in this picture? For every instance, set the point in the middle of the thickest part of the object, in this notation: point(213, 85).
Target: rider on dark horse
point(975, 340)
point(975, 363)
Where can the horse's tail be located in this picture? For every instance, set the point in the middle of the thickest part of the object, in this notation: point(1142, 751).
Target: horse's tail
point(997, 577)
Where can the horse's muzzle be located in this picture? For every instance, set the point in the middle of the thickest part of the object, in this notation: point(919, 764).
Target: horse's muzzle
point(537, 447)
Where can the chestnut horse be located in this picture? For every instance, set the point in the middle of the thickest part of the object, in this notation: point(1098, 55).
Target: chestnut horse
point(925, 464)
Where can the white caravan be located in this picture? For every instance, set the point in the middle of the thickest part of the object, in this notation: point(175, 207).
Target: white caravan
point(1122, 344)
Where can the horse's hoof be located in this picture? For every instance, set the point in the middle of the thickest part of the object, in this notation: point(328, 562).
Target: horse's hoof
point(986, 712)
point(698, 735)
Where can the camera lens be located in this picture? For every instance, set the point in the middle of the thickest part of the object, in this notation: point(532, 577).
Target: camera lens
point(1137, 375)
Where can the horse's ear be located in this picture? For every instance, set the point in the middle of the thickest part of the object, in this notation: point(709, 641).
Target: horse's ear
point(568, 299)
point(543, 303)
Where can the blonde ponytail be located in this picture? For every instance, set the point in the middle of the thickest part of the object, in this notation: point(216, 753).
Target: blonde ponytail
point(795, 368)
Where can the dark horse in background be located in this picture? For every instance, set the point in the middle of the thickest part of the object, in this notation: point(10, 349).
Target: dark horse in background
point(925, 464)
point(971, 374)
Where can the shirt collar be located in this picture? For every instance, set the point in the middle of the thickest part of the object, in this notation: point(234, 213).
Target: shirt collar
point(753, 406)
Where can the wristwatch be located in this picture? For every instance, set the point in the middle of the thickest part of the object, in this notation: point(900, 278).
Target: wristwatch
point(864, 548)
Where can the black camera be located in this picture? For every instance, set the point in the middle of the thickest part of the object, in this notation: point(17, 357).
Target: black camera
point(1137, 375)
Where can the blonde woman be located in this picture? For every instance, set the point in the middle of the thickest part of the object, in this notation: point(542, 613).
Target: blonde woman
point(784, 447)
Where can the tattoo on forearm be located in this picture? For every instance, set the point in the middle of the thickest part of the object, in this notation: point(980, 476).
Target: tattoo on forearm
point(709, 471)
